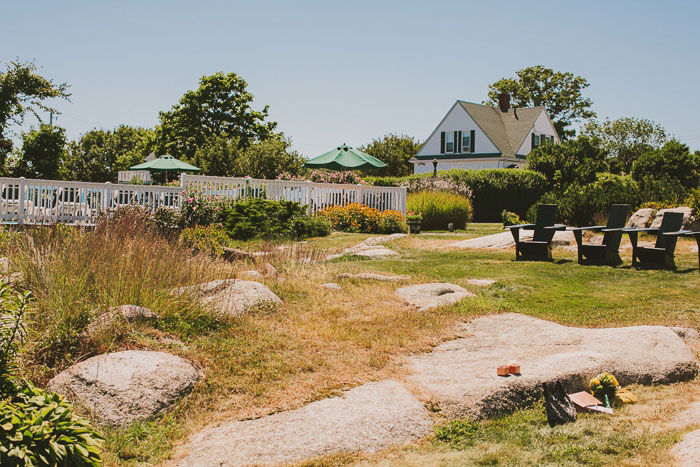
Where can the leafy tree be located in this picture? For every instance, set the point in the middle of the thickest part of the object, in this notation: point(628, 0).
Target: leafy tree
point(395, 151)
point(263, 159)
point(559, 92)
point(100, 154)
point(626, 138)
point(219, 108)
point(673, 161)
point(22, 91)
point(575, 161)
point(43, 149)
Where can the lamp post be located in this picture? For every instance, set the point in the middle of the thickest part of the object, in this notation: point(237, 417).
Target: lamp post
point(434, 167)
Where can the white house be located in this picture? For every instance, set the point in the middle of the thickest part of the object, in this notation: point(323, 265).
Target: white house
point(475, 136)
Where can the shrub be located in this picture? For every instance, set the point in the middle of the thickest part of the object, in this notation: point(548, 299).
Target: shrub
point(163, 221)
point(267, 219)
point(40, 428)
point(510, 218)
point(314, 226)
point(580, 204)
point(209, 239)
point(36, 428)
point(356, 217)
point(326, 176)
point(392, 222)
point(200, 209)
point(693, 201)
point(439, 209)
point(673, 161)
point(490, 190)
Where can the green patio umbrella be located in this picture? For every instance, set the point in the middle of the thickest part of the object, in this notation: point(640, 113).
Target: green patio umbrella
point(343, 158)
point(166, 163)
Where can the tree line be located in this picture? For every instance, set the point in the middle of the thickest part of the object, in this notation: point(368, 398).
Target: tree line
point(215, 127)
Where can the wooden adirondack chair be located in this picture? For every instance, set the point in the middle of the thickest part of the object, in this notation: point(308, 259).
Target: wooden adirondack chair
point(607, 252)
point(662, 253)
point(687, 233)
point(540, 247)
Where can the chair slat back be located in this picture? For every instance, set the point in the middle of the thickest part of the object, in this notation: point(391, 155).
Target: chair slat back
point(546, 217)
point(616, 220)
point(671, 222)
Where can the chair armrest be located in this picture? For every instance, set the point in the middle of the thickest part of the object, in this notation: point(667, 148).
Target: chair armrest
point(613, 229)
point(678, 233)
point(520, 226)
point(649, 229)
point(556, 227)
point(592, 227)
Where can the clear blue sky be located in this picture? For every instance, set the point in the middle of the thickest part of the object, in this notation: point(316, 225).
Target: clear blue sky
point(335, 72)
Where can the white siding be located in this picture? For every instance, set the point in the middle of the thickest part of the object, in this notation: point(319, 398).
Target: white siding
point(458, 119)
point(542, 126)
point(427, 166)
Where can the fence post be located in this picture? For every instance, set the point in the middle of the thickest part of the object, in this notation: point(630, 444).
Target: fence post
point(107, 197)
point(20, 201)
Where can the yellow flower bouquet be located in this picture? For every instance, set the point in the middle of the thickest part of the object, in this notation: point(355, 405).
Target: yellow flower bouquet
point(604, 386)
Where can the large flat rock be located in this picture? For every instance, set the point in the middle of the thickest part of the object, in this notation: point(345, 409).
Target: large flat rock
point(231, 296)
point(123, 387)
point(428, 296)
point(687, 452)
point(368, 418)
point(460, 375)
point(505, 240)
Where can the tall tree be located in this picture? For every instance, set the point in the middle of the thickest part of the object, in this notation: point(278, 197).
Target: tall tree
point(263, 159)
point(41, 154)
point(395, 151)
point(22, 91)
point(220, 107)
point(559, 92)
point(626, 138)
point(100, 154)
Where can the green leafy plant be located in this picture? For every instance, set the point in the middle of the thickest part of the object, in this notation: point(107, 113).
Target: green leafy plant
point(38, 428)
point(414, 216)
point(510, 218)
point(440, 209)
point(210, 238)
point(267, 219)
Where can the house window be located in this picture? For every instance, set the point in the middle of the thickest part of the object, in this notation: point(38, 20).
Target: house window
point(535, 140)
point(466, 143)
point(449, 142)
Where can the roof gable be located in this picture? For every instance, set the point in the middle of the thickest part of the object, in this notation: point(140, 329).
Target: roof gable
point(507, 130)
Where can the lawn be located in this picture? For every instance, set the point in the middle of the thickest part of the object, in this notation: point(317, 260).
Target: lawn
point(320, 342)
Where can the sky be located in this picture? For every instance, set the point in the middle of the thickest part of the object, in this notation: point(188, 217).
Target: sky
point(348, 72)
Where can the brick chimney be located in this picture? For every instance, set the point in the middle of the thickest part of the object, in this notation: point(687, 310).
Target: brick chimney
point(504, 101)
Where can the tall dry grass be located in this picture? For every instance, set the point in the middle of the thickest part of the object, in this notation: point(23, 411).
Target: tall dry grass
point(75, 274)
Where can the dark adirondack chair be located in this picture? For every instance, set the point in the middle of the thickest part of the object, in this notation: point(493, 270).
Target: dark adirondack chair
point(687, 233)
point(607, 252)
point(540, 247)
point(662, 253)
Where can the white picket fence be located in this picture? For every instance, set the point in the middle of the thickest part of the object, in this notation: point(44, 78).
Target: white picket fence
point(317, 196)
point(27, 201)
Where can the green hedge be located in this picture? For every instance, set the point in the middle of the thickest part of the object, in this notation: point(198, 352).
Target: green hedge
point(490, 190)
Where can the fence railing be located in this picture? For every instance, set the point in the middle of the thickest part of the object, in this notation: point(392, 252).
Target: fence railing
point(28, 201)
point(315, 195)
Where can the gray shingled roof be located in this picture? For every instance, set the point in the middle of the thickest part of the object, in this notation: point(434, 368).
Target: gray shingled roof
point(507, 130)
